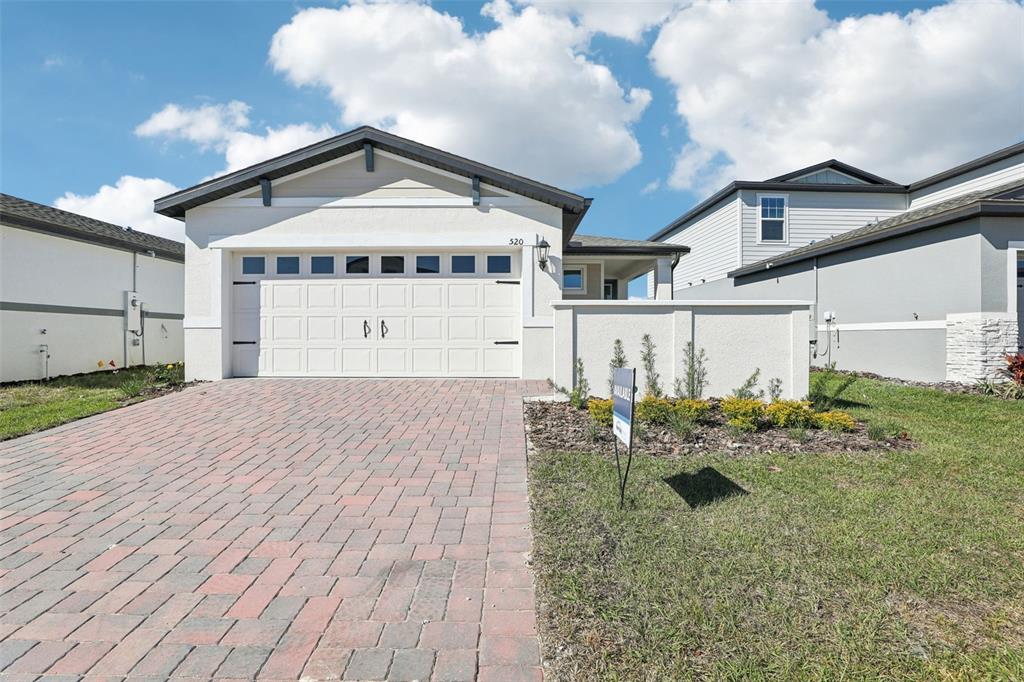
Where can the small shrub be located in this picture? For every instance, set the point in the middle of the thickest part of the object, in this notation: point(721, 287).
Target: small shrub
point(884, 430)
point(171, 374)
point(1014, 370)
point(775, 389)
point(827, 388)
point(681, 425)
point(746, 389)
point(580, 392)
point(737, 428)
point(618, 361)
point(835, 420)
point(594, 431)
point(788, 414)
point(132, 387)
point(696, 374)
point(797, 434)
point(652, 410)
point(600, 411)
point(743, 413)
point(652, 380)
point(693, 410)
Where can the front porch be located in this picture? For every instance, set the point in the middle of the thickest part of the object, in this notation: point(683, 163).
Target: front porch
point(601, 268)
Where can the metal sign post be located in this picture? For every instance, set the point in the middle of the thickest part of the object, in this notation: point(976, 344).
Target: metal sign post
point(623, 394)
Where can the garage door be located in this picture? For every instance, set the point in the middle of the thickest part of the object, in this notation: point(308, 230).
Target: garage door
point(436, 324)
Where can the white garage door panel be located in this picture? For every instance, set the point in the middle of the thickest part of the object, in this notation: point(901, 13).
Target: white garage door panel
point(376, 327)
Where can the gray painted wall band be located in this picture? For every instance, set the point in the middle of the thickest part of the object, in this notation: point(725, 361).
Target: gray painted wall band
point(79, 310)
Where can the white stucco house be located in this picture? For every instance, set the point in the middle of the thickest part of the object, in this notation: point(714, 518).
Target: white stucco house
point(372, 255)
point(82, 295)
point(922, 281)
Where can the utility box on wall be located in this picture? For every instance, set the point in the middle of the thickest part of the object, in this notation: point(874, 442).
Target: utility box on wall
point(132, 312)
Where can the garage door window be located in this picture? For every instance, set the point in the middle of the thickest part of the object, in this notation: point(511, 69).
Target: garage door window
point(287, 265)
point(428, 265)
point(392, 265)
point(321, 265)
point(357, 265)
point(499, 265)
point(253, 265)
point(463, 265)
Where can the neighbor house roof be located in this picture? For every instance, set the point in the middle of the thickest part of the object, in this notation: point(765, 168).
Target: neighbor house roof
point(775, 185)
point(41, 218)
point(981, 161)
point(585, 244)
point(836, 165)
point(1005, 200)
point(174, 205)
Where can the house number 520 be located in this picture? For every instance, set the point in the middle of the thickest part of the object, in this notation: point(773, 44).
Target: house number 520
point(515, 241)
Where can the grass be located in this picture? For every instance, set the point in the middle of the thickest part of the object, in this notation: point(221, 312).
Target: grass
point(894, 565)
point(33, 406)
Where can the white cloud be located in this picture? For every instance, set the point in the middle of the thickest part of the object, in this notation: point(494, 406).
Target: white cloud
point(128, 203)
point(523, 96)
point(627, 19)
point(765, 88)
point(651, 187)
point(208, 126)
point(222, 127)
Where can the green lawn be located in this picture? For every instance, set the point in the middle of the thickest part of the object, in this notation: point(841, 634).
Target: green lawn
point(895, 565)
point(37, 405)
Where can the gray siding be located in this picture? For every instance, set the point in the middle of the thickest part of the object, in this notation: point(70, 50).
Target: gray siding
point(828, 177)
point(713, 242)
point(986, 177)
point(814, 216)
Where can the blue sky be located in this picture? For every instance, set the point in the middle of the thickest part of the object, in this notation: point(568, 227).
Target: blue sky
point(687, 108)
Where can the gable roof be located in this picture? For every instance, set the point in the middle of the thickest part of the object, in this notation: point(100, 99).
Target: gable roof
point(1007, 199)
point(836, 165)
point(980, 162)
point(41, 218)
point(174, 205)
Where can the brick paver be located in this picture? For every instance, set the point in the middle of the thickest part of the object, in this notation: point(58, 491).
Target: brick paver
point(275, 528)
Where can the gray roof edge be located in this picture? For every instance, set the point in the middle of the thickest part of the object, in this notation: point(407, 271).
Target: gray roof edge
point(769, 186)
point(244, 178)
point(612, 250)
point(838, 165)
point(981, 161)
point(981, 207)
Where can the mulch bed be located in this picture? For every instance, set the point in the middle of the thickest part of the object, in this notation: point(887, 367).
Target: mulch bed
point(558, 426)
point(151, 392)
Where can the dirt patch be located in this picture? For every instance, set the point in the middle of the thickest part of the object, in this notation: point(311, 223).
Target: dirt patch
point(558, 426)
point(959, 624)
point(151, 392)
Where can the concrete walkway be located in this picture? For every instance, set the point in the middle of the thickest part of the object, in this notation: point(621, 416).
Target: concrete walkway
point(275, 528)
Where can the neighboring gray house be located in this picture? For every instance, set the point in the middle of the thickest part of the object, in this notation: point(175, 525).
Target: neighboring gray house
point(931, 288)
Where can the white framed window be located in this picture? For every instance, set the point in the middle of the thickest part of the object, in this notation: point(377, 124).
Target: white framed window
point(428, 265)
point(499, 264)
point(574, 278)
point(321, 265)
point(392, 264)
point(287, 265)
point(463, 264)
point(773, 218)
point(357, 265)
point(254, 265)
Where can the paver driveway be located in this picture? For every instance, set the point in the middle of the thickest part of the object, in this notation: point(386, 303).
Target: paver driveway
point(275, 528)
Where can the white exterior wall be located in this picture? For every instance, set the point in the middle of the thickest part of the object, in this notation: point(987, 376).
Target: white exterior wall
point(986, 177)
point(43, 270)
point(814, 216)
point(714, 246)
point(372, 224)
point(738, 337)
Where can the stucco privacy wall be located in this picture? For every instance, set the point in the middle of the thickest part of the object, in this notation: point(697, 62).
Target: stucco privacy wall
point(738, 337)
point(217, 230)
point(45, 279)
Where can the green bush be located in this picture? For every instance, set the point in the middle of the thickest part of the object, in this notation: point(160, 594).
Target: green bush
point(600, 411)
point(681, 425)
point(745, 414)
point(171, 374)
point(654, 410)
point(835, 420)
point(790, 414)
point(693, 410)
point(132, 387)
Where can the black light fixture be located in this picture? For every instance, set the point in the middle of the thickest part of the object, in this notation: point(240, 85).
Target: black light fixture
point(542, 253)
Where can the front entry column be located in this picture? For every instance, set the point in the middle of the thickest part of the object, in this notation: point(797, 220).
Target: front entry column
point(663, 279)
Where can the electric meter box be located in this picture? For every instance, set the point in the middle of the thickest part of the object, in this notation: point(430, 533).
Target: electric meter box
point(132, 312)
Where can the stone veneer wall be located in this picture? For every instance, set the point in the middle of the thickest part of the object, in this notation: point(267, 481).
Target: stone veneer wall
point(976, 344)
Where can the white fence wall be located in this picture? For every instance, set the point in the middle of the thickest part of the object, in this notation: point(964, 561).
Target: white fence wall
point(737, 337)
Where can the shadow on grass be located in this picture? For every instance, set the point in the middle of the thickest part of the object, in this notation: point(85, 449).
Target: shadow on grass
point(704, 487)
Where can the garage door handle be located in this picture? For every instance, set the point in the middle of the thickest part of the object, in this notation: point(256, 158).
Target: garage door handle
point(383, 330)
point(506, 343)
point(366, 329)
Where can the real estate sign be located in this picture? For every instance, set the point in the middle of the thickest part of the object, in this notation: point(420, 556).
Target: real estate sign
point(623, 390)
